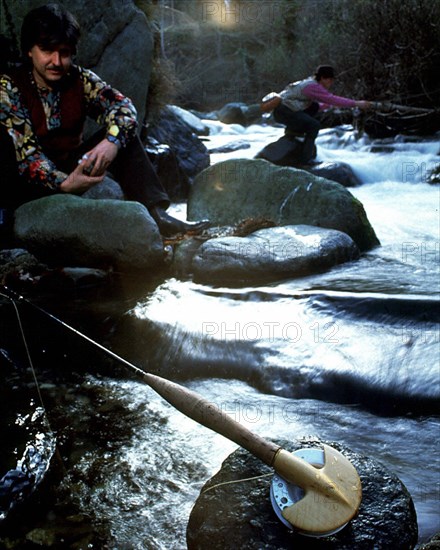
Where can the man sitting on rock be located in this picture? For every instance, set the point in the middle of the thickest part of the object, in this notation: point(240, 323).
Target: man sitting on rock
point(301, 101)
point(43, 107)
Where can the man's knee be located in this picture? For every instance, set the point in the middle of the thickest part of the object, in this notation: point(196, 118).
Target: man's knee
point(313, 128)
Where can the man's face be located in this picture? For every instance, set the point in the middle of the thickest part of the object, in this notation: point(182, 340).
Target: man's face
point(327, 82)
point(50, 65)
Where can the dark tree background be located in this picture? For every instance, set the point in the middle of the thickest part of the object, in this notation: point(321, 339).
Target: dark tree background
point(214, 52)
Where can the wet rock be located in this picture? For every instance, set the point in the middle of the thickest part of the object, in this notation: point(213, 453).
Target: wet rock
point(286, 151)
point(18, 261)
point(65, 230)
point(184, 251)
point(21, 270)
point(336, 171)
point(107, 189)
point(231, 147)
point(27, 441)
point(272, 254)
point(191, 120)
point(434, 175)
point(68, 278)
point(386, 517)
point(183, 256)
point(239, 113)
point(234, 190)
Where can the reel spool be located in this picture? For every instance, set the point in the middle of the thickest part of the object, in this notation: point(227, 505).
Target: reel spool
point(284, 494)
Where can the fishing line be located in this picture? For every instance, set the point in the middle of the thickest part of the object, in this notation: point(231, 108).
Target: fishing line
point(37, 385)
point(29, 358)
point(236, 481)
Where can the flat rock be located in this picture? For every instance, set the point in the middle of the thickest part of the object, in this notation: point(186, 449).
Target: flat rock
point(270, 254)
point(240, 515)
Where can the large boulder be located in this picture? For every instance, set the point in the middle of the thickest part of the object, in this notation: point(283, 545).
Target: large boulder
point(67, 230)
point(235, 190)
point(234, 510)
point(116, 42)
point(272, 254)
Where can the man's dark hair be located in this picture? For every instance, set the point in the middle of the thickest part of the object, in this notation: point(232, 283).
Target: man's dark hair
point(49, 26)
point(324, 71)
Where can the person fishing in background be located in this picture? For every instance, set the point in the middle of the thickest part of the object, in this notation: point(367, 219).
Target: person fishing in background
point(301, 101)
point(44, 103)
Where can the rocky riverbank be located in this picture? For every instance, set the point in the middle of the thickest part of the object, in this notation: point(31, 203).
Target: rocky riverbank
point(296, 223)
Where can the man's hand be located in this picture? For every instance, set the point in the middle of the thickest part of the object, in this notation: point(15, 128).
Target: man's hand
point(364, 105)
point(98, 159)
point(91, 169)
point(78, 182)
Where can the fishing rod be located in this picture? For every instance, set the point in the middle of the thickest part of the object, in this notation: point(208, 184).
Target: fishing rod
point(388, 106)
point(332, 493)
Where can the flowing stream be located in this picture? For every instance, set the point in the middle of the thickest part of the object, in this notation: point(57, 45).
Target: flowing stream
point(351, 355)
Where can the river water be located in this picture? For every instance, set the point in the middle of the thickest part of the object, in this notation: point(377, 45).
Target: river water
point(351, 355)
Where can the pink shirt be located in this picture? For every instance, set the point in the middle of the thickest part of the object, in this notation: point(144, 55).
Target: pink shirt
point(317, 92)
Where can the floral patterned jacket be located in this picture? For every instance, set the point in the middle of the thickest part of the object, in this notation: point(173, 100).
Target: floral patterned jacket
point(101, 102)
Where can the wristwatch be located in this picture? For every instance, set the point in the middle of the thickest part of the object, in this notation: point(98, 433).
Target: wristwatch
point(112, 135)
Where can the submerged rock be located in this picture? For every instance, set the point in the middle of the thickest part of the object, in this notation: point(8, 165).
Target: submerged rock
point(234, 190)
point(27, 441)
point(272, 254)
point(240, 515)
point(66, 230)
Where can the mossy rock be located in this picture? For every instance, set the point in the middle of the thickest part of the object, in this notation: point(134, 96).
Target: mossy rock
point(235, 190)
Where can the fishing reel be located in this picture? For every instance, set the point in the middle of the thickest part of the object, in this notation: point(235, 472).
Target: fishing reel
point(284, 494)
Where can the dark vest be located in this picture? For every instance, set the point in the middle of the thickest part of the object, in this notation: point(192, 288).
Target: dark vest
point(59, 142)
